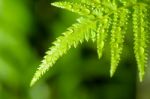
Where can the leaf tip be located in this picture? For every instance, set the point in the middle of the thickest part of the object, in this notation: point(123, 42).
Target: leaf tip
point(99, 55)
point(33, 82)
point(112, 73)
point(36, 76)
point(54, 4)
point(141, 76)
point(57, 4)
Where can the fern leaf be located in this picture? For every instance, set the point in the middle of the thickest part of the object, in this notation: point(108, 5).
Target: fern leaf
point(140, 38)
point(81, 8)
point(117, 38)
point(98, 15)
point(101, 35)
point(72, 37)
point(84, 9)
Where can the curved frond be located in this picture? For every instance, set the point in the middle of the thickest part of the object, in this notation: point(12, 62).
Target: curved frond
point(102, 30)
point(85, 9)
point(140, 38)
point(117, 37)
point(81, 8)
point(72, 37)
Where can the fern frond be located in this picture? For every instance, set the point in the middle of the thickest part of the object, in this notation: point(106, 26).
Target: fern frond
point(72, 37)
point(117, 37)
point(102, 30)
point(140, 38)
point(97, 16)
point(84, 9)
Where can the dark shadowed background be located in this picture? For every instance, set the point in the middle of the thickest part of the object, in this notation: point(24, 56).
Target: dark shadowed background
point(27, 30)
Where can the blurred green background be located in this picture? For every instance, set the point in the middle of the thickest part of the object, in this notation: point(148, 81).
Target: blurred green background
point(27, 29)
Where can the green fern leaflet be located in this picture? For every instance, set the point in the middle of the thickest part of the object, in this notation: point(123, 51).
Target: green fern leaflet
point(98, 19)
